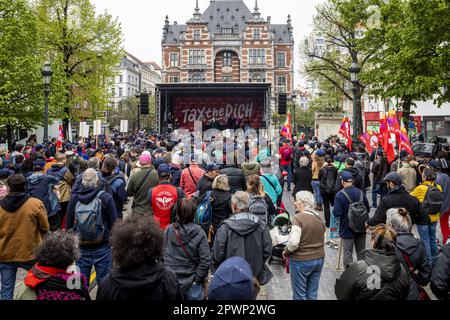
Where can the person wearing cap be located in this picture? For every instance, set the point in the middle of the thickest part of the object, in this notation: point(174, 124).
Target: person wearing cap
point(144, 178)
point(164, 198)
point(408, 174)
point(39, 153)
point(233, 280)
point(206, 182)
point(398, 197)
point(190, 177)
point(358, 181)
point(349, 238)
point(23, 223)
point(444, 181)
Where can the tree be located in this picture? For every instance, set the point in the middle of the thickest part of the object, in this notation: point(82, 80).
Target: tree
point(412, 52)
point(84, 49)
point(127, 109)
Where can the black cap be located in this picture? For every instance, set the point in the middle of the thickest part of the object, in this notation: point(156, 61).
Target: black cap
point(394, 177)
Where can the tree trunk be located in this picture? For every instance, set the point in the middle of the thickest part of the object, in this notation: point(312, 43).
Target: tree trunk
point(406, 107)
point(9, 136)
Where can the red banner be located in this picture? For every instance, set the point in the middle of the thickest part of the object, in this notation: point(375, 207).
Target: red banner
point(188, 109)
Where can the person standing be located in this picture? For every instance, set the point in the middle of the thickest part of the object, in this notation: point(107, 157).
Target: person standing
point(271, 183)
point(303, 177)
point(205, 183)
point(186, 251)
point(317, 164)
point(190, 177)
point(328, 176)
point(286, 155)
point(444, 181)
point(380, 169)
point(344, 198)
point(93, 253)
point(408, 174)
point(440, 275)
point(236, 178)
point(115, 183)
point(23, 223)
point(140, 182)
point(220, 202)
point(305, 248)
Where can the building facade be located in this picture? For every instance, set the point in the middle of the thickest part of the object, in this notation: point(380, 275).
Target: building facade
point(134, 76)
point(229, 43)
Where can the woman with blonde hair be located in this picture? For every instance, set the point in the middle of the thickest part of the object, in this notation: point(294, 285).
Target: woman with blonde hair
point(317, 164)
point(220, 202)
point(261, 204)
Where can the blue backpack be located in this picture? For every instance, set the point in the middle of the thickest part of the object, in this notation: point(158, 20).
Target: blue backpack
point(203, 216)
point(89, 221)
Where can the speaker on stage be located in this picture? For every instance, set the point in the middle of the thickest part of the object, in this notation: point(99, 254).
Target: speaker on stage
point(282, 103)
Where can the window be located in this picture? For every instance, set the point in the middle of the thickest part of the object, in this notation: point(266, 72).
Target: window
point(120, 78)
point(120, 92)
point(256, 34)
point(257, 77)
point(197, 77)
point(257, 56)
point(196, 34)
point(227, 78)
point(174, 60)
point(227, 59)
point(196, 56)
point(281, 83)
point(227, 30)
point(174, 79)
point(281, 59)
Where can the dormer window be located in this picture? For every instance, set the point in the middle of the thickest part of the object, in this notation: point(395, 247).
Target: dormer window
point(196, 34)
point(256, 34)
point(227, 30)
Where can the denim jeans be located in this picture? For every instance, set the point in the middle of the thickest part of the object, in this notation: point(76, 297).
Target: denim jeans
point(317, 197)
point(287, 169)
point(305, 277)
point(100, 258)
point(375, 191)
point(194, 292)
point(427, 234)
point(8, 273)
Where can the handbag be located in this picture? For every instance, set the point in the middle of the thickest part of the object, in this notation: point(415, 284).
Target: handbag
point(423, 295)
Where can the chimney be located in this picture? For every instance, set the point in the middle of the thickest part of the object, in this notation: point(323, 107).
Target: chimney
point(269, 20)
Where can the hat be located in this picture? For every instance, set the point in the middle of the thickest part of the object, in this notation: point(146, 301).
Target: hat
point(145, 158)
point(320, 153)
point(38, 147)
point(393, 177)
point(233, 280)
point(68, 145)
point(4, 173)
point(163, 170)
point(353, 155)
point(39, 163)
point(312, 145)
point(435, 164)
point(306, 153)
point(211, 167)
point(301, 143)
point(347, 177)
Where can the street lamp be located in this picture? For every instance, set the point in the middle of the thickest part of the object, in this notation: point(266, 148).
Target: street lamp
point(294, 97)
point(47, 74)
point(354, 71)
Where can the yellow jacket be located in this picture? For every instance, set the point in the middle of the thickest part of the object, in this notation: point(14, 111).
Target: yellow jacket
point(420, 193)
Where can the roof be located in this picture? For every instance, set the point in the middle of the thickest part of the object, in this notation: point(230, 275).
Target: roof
point(281, 33)
point(227, 13)
point(154, 64)
point(174, 34)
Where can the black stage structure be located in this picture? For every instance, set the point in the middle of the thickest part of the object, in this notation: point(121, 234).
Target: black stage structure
point(215, 104)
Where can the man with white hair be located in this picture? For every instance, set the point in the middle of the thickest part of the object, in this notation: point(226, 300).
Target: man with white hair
point(93, 253)
point(176, 168)
point(244, 235)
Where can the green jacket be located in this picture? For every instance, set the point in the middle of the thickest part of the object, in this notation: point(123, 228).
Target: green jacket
point(138, 189)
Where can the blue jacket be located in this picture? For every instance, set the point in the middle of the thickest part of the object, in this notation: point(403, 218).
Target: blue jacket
point(40, 186)
point(340, 210)
point(444, 181)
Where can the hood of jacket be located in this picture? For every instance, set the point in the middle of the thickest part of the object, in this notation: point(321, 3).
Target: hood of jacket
point(446, 251)
point(243, 223)
point(353, 171)
point(250, 166)
point(35, 179)
point(187, 233)
point(86, 195)
point(14, 201)
point(387, 262)
point(407, 243)
point(398, 190)
point(143, 278)
point(56, 167)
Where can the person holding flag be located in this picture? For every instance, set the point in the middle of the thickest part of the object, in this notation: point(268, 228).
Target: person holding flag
point(286, 129)
point(345, 132)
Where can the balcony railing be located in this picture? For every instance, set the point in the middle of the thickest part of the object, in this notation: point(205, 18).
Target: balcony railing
point(227, 36)
point(197, 66)
point(258, 66)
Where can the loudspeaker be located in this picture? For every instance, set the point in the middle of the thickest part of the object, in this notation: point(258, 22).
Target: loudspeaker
point(143, 103)
point(282, 103)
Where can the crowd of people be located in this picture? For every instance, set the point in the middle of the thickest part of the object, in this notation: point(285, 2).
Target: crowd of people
point(160, 221)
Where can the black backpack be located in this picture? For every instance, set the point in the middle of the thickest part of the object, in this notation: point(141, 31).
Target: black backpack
point(357, 214)
point(329, 185)
point(433, 200)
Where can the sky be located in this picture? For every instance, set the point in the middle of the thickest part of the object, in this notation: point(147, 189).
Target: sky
point(142, 20)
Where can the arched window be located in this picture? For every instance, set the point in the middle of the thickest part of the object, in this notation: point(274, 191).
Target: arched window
point(197, 77)
point(227, 59)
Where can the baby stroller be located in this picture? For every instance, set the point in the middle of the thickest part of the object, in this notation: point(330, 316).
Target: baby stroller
point(280, 236)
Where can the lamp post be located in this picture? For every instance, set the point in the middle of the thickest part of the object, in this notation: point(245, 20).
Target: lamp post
point(354, 71)
point(47, 74)
point(293, 97)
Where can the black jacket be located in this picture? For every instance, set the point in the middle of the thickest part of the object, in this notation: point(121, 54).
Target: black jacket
point(323, 176)
point(221, 207)
point(358, 180)
point(204, 185)
point(190, 268)
point(380, 169)
point(355, 282)
point(302, 180)
point(236, 179)
point(148, 282)
point(400, 198)
point(440, 276)
point(244, 235)
point(412, 247)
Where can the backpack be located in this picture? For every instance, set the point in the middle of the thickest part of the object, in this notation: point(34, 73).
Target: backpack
point(357, 214)
point(330, 183)
point(258, 207)
point(107, 183)
point(89, 221)
point(433, 200)
point(203, 216)
point(287, 154)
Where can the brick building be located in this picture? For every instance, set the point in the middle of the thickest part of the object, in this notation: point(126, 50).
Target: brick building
point(229, 43)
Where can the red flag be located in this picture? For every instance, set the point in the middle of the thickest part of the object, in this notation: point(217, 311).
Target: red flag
point(385, 139)
point(405, 144)
point(286, 130)
point(394, 125)
point(60, 138)
point(370, 140)
point(345, 132)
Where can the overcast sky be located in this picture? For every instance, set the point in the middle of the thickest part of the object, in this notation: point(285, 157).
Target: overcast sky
point(142, 20)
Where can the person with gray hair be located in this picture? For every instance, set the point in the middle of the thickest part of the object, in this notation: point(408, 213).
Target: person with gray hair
point(93, 163)
point(302, 177)
point(410, 251)
point(244, 235)
point(98, 253)
point(305, 248)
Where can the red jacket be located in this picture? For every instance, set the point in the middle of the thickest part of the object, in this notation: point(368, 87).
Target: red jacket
point(189, 183)
point(282, 161)
point(163, 199)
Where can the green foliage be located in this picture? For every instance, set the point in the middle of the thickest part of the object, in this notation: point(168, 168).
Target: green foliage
point(127, 109)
